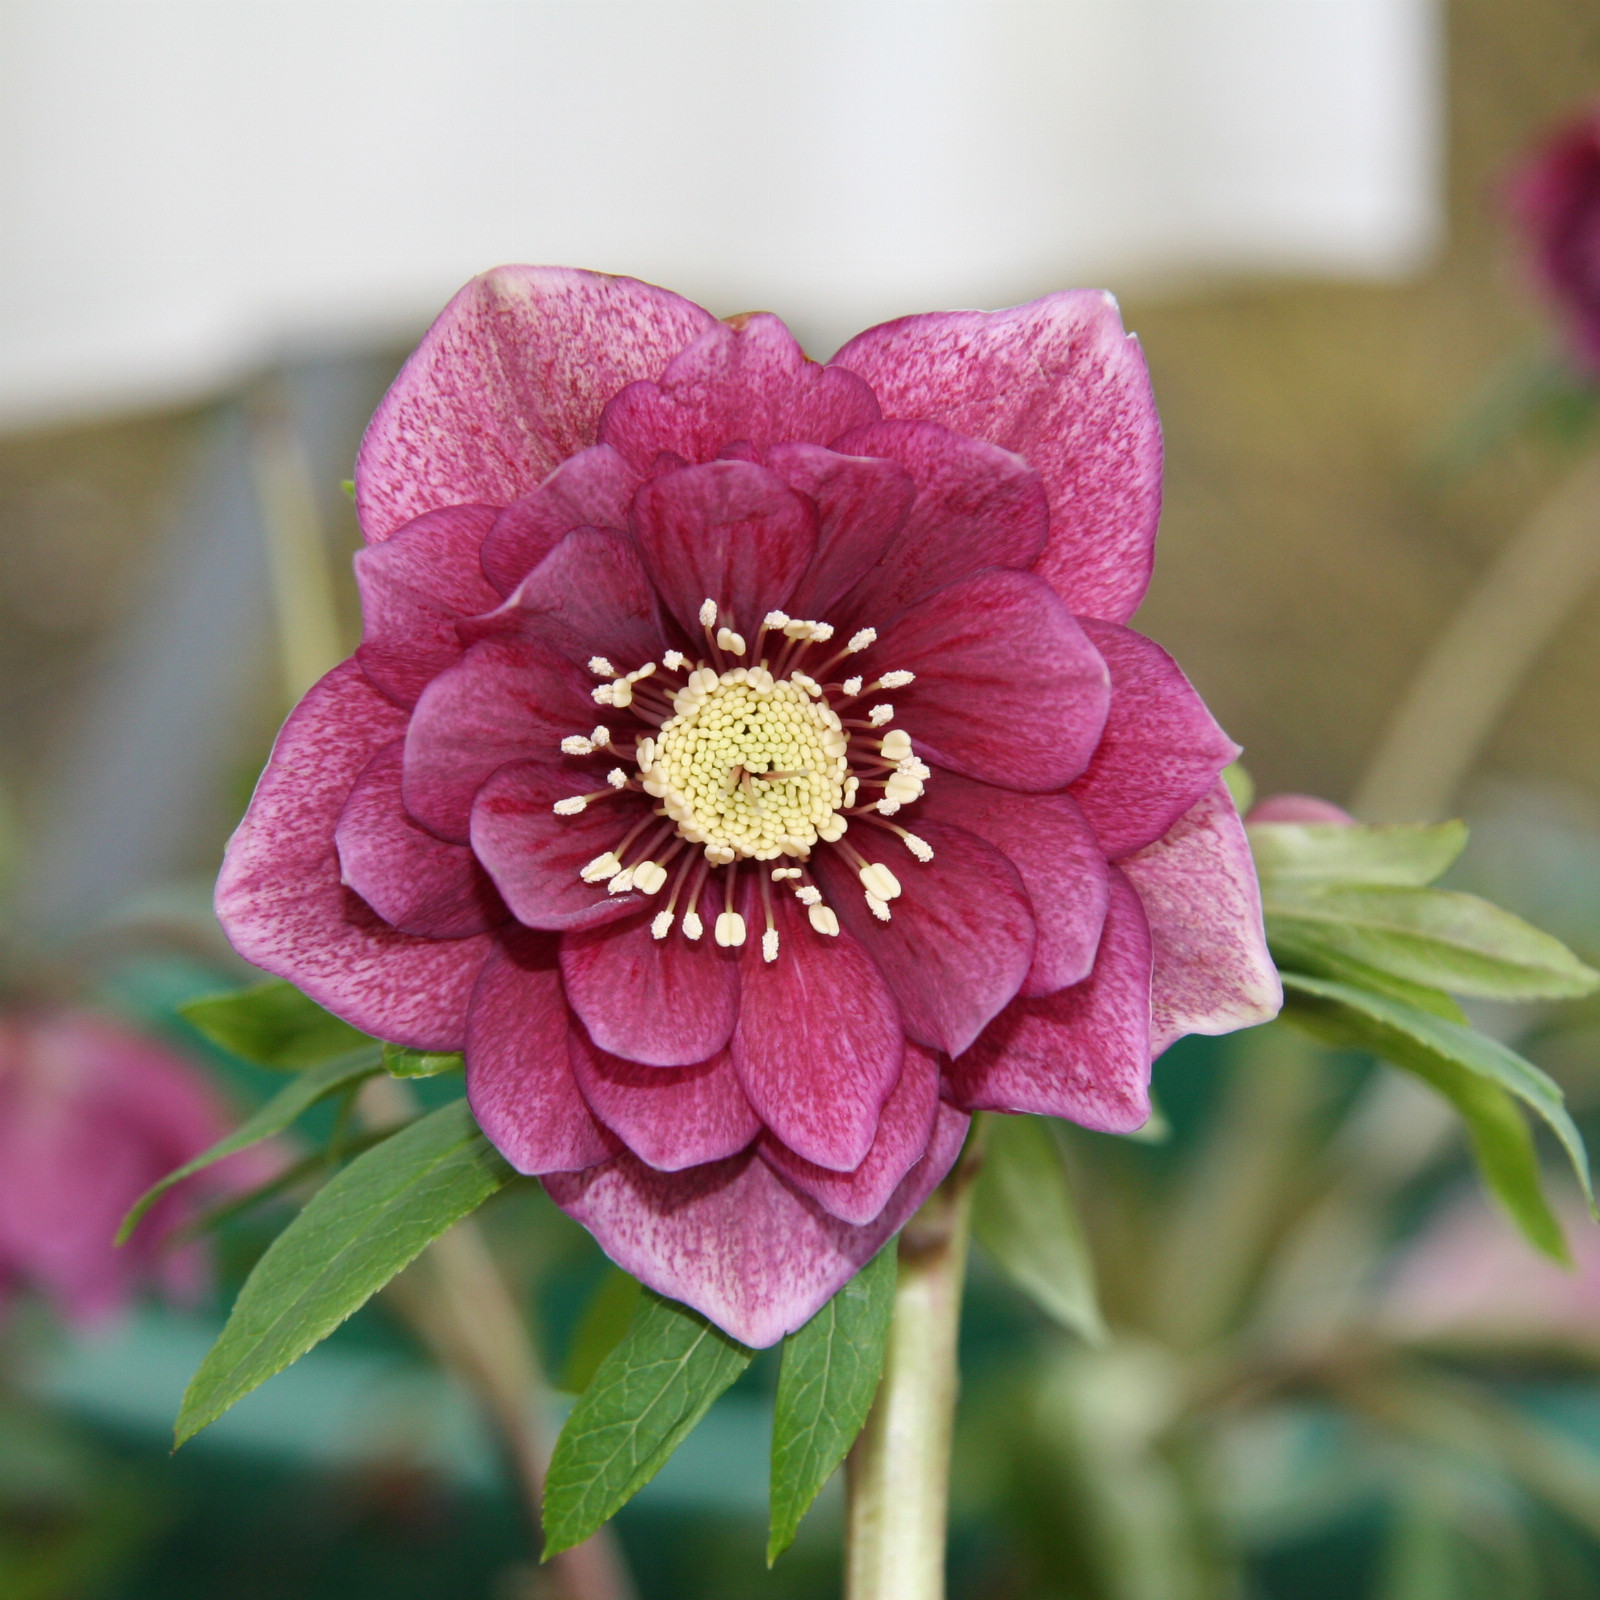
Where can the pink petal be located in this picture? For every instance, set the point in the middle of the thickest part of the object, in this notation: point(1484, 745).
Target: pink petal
point(663, 1002)
point(1299, 808)
point(1047, 840)
point(415, 587)
point(503, 701)
point(1008, 689)
point(670, 1117)
point(589, 597)
point(519, 1083)
point(1161, 749)
point(907, 1124)
point(413, 880)
point(960, 937)
point(749, 383)
point(977, 506)
point(735, 1241)
point(1082, 1053)
point(535, 856)
point(1198, 885)
point(507, 384)
point(280, 900)
point(818, 1045)
point(729, 532)
point(1059, 382)
point(592, 489)
point(861, 506)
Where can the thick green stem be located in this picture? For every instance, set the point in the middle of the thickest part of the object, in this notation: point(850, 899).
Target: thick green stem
point(899, 1471)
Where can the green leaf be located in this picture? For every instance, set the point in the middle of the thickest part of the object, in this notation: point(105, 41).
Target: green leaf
point(1477, 1074)
point(1292, 955)
point(826, 1385)
point(284, 1108)
point(1241, 787)
point(601, 1329)
point(649, 1392)
point(348, 487)
point(1025, 1217)
point(1302, 855)
point(274, 1025)
point(1433, 937)
point(353, 1236)
point(400, 1062)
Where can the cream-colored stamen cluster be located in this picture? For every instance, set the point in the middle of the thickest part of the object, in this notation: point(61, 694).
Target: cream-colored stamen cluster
point(750, 765)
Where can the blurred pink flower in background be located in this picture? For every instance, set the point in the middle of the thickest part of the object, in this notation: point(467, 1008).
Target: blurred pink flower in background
point(1555, 198)
point(1298, 808)
point(91, 1114)
point(1470, 1277)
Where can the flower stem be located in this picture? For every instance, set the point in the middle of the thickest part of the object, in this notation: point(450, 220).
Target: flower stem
point(898, 1474)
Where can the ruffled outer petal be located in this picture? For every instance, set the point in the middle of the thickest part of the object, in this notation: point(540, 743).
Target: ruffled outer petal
point(589, 597)
point(906, 1126)
point(663, 1002)
point(1008, 690)
point(818, 1045)
point(415, 587)
point(1161, 750)
point(414, 881)
point(977, 506)
point(1082, 1053)
point(1052, 846)
point(670, 1117)
point(504, 701)
point(733, 1239)
point(280, 900)
point(744, 381)
point(591, 490)
point(509, 382)
point(535, 857)
point(960, 939)
point(519, 1082)
point(1059, 382)
point(1198, 885)
point(861, 505)
point(727, 531)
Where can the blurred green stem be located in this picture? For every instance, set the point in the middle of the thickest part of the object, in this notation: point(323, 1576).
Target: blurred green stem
point(898, 1474)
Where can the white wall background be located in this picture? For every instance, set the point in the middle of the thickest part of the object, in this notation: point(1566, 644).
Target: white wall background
point(187, 185)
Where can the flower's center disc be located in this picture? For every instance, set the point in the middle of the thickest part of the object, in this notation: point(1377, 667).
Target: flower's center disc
point(750, 765)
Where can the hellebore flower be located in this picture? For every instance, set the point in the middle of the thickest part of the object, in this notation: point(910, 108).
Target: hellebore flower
point(747, 763)
point(1556, 200)
point(91, 1114)
point(1299, 808)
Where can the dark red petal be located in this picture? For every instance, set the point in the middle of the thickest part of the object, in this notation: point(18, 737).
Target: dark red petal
point(1008, 690)
point(1082, 1053)
point(1161, 749)
point(729, 532)
point(507, 384)
point(1198, 884)
point(280, 900)
point(751, 384)
point(906, 1126)
point(664, 1002)
point(415, 587)
point(818, 1045)
point(519, 1083)
point(733, 1239)
point(977, 506)
point(1059, 382)
point(503, 701)
point(960, 937)
point(861, 506)
point(591, 490)
point(670, 1117)
point(1054, 849)
point(413, 880)
point(589, 597)
point(535, 856)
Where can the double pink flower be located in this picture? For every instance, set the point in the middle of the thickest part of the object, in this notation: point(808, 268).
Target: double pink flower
point(747, 763)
